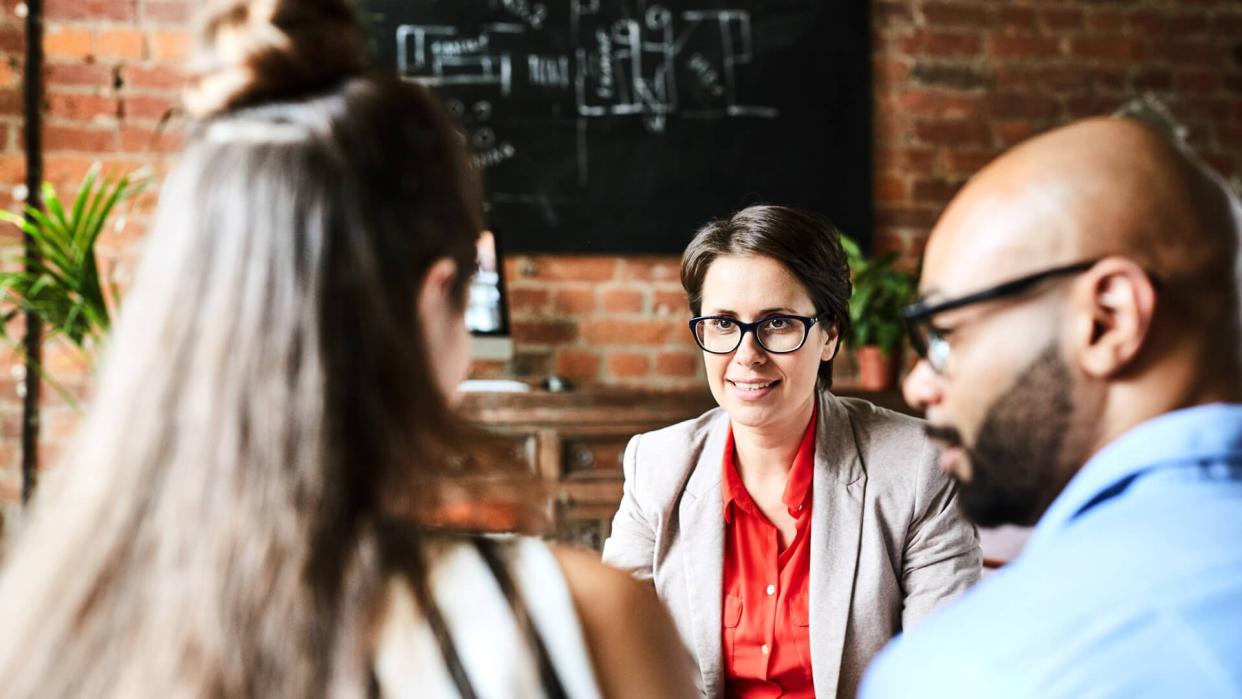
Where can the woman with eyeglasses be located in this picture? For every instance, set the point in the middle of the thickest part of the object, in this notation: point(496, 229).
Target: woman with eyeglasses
point(791, 532)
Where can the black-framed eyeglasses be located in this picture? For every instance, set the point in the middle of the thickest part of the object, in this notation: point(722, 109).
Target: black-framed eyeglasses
point(931, 343)
point(776, 334)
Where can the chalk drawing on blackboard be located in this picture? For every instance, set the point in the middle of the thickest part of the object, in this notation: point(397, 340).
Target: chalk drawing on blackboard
point(649, 65)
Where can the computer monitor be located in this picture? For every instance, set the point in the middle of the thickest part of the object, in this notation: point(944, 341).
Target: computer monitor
point(487, 311)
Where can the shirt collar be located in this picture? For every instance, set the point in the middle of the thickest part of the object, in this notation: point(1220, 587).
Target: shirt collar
point(797, 488)
point(1197, 434)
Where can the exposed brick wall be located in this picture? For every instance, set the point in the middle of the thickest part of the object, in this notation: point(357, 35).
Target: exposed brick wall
point(955, 83)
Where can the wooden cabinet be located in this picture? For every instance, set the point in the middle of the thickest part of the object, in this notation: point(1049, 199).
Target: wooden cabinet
point(574, 441)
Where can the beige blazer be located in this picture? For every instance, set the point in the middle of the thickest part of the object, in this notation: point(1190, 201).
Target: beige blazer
point(887, 543)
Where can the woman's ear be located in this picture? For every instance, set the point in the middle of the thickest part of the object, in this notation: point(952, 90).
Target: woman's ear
point(436, 304)
point(831, 345)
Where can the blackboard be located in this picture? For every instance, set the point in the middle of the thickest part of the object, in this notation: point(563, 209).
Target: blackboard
point(620, 126)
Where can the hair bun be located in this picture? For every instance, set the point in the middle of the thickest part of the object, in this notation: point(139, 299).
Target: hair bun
point(259, 50)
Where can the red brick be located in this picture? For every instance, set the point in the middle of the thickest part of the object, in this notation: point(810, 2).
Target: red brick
point(890, 126)
point(904, 159)
point(887, 71)
point(66, 138)
point(935, 190)
point(151, 77)
point(67, 43)
point(651, 269)
point(1022, 105)
point(1106, 48)
point(952, 132)
point(170, 45)
point(489, 369)
point(543, 332)
point(147, 106)
point(891, 189)
point(78, 74)
point(941, 44)
point(1102, 19)
point(1061, 18)
point(962, 15)
point(1059, 80)
point(1013, 131)
point(83, 107)
point(890, 13)
point(578, 364)
point(12, 168)
point(1023, 46)
point(670, 302)
point(575, 300)
point(906, 216)
point(960, 161)
point(1114, 78)
point(1180, 23)
point(953, 76)
point(150, 141)
point(623, 301)
point(627, 365)
point(624, 332)
point(677, 364)
point(526, 300)
point(175, 12)
point(1090, 105)
point(941, 103)
point(1016, 17)
point(93, 10)
point(1188, 53)
point(574, 269)
point(11, 102)
point(127, 44)
point(12, 39)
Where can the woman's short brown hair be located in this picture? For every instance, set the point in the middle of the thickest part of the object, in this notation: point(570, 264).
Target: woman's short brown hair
point(806, 243)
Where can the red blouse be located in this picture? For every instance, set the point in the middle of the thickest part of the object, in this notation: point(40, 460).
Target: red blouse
point(767, 643)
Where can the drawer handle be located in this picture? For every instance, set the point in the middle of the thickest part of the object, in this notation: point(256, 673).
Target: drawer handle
point(584, 457)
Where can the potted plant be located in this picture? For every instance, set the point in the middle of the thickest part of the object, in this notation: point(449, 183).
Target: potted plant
point(61, 284)
point(881, 290)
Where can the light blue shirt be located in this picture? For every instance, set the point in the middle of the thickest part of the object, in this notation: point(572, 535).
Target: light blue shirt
point(1130, 585)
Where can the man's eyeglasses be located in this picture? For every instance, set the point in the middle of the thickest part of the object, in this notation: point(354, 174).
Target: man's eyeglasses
point(932, 344)
point(776, 334)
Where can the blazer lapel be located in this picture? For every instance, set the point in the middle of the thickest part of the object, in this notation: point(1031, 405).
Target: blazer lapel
point(836, 531)
point(702, 526)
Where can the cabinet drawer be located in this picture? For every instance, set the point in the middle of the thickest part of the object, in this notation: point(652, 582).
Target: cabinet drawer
point(592, 456)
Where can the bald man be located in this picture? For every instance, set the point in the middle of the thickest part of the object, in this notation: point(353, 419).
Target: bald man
point(1080, 342)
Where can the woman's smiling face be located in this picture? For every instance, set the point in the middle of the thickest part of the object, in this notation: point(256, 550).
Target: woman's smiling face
point(759, 388)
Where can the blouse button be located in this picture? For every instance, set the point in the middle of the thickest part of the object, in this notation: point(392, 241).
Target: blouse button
point(771, 590)
point(764, 649)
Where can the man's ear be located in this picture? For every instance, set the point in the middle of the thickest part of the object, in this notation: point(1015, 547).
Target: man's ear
point(831, 345)
point(1115, 302)
point(435, 295)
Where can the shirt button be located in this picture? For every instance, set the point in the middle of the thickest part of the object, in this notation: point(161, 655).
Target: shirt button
point(764, 649)
point(771, 590)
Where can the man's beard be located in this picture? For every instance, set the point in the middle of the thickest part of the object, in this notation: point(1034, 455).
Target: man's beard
point(1016, 461)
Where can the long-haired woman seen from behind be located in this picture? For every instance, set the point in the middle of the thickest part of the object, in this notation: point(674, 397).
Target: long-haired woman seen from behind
point(285, 368)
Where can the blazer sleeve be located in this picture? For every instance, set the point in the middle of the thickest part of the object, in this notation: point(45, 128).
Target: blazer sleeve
point(942, 557)
point(631, 544)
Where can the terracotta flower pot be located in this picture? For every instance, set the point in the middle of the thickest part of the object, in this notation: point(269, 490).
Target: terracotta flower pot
point(876, 372)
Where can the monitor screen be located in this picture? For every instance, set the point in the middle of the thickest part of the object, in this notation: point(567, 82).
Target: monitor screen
point(487, 312)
